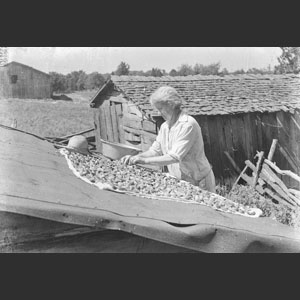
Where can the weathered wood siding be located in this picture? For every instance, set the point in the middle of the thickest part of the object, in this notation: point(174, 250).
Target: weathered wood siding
point(241, 135)
point(123, 123)
point(30, 83)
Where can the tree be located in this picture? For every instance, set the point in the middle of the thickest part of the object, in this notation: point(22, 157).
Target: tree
point(241, 71)
point(185, 70)
point(81, 81)
point(122, 69)
point(58, 82)
point(212, 69)
point(224, 72)
point(289, 60)
point(173, 72)
point(156, 72)
point(94, 80)
point(136, 73)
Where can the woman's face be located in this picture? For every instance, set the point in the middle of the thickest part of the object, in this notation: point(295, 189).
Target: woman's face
point(165, 110)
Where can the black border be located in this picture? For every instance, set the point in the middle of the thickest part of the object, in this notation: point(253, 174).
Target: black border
point(147, 24)
point(55, 276)
point(240, 24)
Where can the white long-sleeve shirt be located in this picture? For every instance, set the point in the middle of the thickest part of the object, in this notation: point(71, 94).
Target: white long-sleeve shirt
point(184, 142)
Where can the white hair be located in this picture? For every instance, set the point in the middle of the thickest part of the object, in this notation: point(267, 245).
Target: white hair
point(166, 95)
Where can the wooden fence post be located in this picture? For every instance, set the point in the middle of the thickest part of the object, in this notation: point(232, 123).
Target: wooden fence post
point(272, 149)
point(258, 167)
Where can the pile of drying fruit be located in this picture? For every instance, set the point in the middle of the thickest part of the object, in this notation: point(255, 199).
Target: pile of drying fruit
point(143, 182)
point(279, 212)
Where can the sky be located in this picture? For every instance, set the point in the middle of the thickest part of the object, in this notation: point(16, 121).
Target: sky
point(106, 59)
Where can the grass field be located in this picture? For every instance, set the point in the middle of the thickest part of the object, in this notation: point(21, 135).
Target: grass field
point(48, 117)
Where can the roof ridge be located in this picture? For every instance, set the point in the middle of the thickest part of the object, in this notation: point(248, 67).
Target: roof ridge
point(139, 78)
point(18, 63)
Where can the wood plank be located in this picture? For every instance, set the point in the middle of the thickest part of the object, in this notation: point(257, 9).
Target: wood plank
point(77, 133)
point(234, 165)
point(265, 190)
point(268, 175)
point(284, 172)
point(237, 140)
point(247, 178)
point(97, 130)
point(203, 122)
point(272, 180)
point(114, 122)
point(258, 126)
point(222, 145)
point(296, 148)
point(288, 157)
point(108, 122)
point(277, 198)
point(270, 132)
point(253, 133)
point(215, 149)
point(149, 126)
point(297, 137)
point(283, 140)
point(234, 169)
point(146, 134)
point(272, 149)
point(238, 179)
point(296, 193)
point(132, 122)
point(131, 137)
point(260, 156)
point(120, 122)
point(102, 122)
point(132, 109)
point(250, 152)
point(132, 130)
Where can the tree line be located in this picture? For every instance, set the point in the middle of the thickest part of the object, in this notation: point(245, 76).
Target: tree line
point(289, 62)
point(76, 81)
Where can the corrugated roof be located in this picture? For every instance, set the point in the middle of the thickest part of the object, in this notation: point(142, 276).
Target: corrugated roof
point(211, 95)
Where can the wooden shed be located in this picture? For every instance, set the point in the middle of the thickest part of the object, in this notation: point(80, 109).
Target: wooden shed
point(238, 115)
point(24, 82)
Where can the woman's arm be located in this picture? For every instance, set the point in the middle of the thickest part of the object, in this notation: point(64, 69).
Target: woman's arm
point(128, 158)
point(162, 160)
point(148, 153)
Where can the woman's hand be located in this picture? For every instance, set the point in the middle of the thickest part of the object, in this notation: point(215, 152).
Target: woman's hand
point(126, 159)
point(132, 160)
point(137, 160)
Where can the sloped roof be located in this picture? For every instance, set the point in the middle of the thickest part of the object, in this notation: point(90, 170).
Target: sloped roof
point(212, 95)
point(28, 67)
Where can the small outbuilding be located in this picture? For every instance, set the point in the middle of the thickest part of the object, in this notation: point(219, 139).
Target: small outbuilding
point(24, 82)
point(238, 114)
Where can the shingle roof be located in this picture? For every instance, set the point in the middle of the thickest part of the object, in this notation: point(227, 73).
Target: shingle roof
point(211, 95)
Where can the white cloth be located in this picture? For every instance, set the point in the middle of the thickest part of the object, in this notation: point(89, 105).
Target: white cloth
point(184, 142)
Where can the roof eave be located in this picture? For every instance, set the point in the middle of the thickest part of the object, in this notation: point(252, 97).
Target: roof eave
point(101, 91)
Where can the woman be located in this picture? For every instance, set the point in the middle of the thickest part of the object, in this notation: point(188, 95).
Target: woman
point(179, 144)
